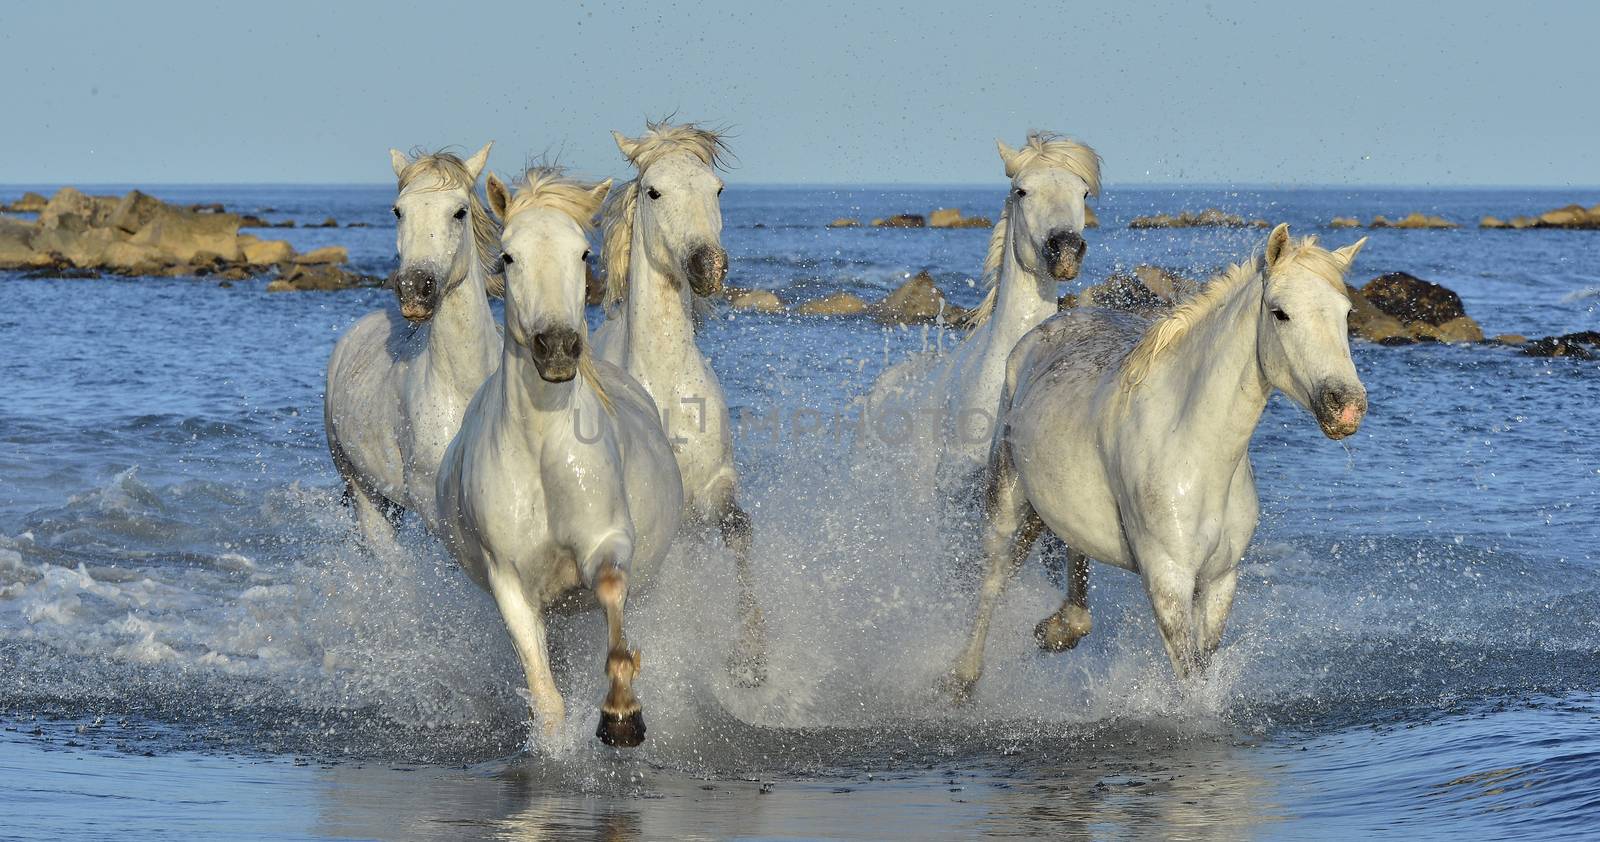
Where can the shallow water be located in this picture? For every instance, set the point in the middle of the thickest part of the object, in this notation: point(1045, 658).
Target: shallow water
point(190, 641)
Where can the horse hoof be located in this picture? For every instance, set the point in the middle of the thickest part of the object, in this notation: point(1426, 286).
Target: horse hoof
point(1054, 635)
point(621, 730)
point(747, 671)
point(957, 687)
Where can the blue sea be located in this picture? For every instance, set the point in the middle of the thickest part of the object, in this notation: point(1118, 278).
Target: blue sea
point(192, 643)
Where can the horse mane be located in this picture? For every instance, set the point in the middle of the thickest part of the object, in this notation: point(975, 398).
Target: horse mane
point(449, 172)
point(660, 139)
point(550, 187)
point(1166, 331)
point(1050, 149)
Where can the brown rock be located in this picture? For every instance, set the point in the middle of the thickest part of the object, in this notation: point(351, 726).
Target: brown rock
point(845, 222)
point(324, 255)
point(1493, 222)
point(901, 220)
point(1456, 331)
point(1411, 299)
point(757, 300)
point(1090, 218)
point(1582, 346)
point(180, 234)
point(916, 300)
point(837, 304)
point(68, 202)
point(15, 249)
point(1208, 218)
point(134, 211)
point(325, 277)
point(1370, 323)
point(327, 222)
point(133, 259)
point(258, 252)
point(1511, 339)
point(1415, 220)
point(29, 203)
point(1345, 222)
point(944, 217)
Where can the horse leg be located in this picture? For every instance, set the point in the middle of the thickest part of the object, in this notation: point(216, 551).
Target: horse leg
point(621, 719)
point(748, 661)
point(526, 626)
point(1012, 528)
point(377, 517)
point(1062, 630)
point(1213, 601)
point(1171, 589)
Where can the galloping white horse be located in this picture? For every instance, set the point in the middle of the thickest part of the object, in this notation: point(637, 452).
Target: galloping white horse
point(1037, 243)
point(561, 475)
point(399, 382)
point(1130, 439)
point(663, 245)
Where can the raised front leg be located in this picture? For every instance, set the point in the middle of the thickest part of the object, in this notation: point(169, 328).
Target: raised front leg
point(526, 626)
point(1062, 630)
point(621, 718)
point(747, 663)
point(1012, 527)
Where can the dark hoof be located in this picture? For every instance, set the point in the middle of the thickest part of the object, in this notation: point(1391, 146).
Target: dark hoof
point(748, 671)
point(622, 731)
point(957, 688)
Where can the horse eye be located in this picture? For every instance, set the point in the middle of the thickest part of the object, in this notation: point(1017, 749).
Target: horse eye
point(1086, 195)
point(1280, 315)
point(585, 254)
point(1020, 192)
point(505, 257)
point(653, 193)
point(461, 214)
point(719, 191)
point(396, 212)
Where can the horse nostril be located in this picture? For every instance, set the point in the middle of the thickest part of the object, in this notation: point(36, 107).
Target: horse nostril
point(572, 346)
point(541, 346)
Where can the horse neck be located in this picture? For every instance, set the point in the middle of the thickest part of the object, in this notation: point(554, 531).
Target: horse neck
point(533, 406)
point(459, 333)
point(1023, 299)
point(1210, 386)
point(660, 324)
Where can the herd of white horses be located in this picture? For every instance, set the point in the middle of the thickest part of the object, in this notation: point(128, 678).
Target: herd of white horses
point(540, 455)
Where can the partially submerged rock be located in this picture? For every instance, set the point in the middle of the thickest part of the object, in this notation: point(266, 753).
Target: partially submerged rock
point(1584, 345)
point(30, 202)
point(1146, 289)
point(295, 277)
point(1344, 222)
point(1425, 310)
point(837, 304)
point(1413, 220)
point(1572, 217)
point(845, 222)
point(901, 220)
point(917, 300)
point(952, 218)
point(756, 300)
point(1208, 218)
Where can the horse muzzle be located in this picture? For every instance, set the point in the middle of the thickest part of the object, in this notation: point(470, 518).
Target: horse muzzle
point(706, 267)
point(1063, 253)
point(555, 353)
point(1339, 411)
point(418, 291)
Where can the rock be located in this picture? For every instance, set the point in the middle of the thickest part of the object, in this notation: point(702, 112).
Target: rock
point(757, 300)
point(1122, 291)
point(369, 225)
point(84, 248)
point(1511, 339)
point(327, 222)
point(71, 202)
point(1208, 218)
point(845, 222)
point(1572, 216)
point(838, 304)
point(133, 259)
point(1370, 323)
point(208, 207)
point(1456, 331)
point(901, 220)
point(324, 255)
point(16, 252)
point(1567, 217)
point(944, 217)
point(1345, 222)
point(180, 234)
point(1493, 222)
point(916, 300)
point(1090, 218)
point(1413, 220)
point(258, 252)
point(1166, 283)
point(1582, 346)
point(29, 203)
point(134, 211)
point(325, 277)
point(1411, 299)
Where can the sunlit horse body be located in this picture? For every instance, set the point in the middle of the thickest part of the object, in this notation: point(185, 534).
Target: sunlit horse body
point(1129, 439)
point(561, 476)
point(663, 246)
point(1037, 243)
point(399, 381)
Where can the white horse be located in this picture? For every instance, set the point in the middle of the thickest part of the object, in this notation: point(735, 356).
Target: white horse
point(561, 475)
point(663, 245)
point(1130, 439)
point(399, 381)
point(1037, 243)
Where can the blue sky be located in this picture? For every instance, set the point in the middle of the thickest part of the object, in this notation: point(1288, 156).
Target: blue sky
point(815, 92)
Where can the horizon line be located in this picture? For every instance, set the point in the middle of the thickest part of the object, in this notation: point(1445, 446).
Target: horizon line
point(865, 185)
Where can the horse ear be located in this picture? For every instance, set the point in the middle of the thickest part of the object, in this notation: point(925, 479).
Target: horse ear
point(600, 190)
point(1007, 155)
point(475, 164)
point(627, 146)
point(397, 159)
point(1277, 241)
point(499, 196)
point(1348, 253)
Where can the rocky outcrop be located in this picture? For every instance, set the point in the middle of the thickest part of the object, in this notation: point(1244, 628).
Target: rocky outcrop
point(901, 220)
point(756, 300)
point(322, 277)
point(1584, 345)
point(1425, 311)
point(1090, 218)
point(952, 218)
point(1412, 220)
point(1208, 218)
point(837, 304)
point(1344, 222)
point(845, 222)
point(77, 235)
point(915, 301)
point(29, 203)
point(1575, 217)
point(1146, 290)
